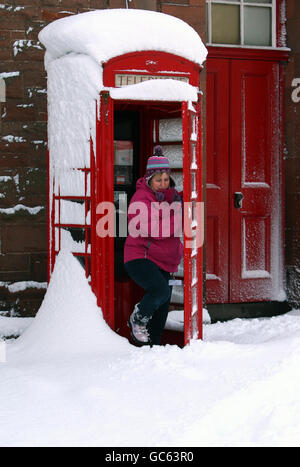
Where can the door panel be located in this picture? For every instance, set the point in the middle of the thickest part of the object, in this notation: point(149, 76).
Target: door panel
point(217, 189)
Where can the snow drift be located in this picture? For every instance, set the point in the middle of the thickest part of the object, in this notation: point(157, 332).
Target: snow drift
point(69, 322)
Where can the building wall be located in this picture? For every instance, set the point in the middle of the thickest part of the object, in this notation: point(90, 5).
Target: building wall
point(23, 137)
point(292, 117)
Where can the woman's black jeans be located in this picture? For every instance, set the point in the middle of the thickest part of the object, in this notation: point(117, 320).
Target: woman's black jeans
point(156, 301)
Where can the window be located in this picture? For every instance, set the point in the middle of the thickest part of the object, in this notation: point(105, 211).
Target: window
point(242, 22)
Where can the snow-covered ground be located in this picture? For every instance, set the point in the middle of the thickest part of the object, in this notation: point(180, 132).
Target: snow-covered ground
point(70, 381)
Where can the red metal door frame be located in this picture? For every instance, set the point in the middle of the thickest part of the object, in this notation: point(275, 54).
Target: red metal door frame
point(193, 207)
point(104, 176)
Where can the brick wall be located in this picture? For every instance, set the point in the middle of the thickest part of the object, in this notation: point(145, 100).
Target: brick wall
point(23, 136)
point(292, 162)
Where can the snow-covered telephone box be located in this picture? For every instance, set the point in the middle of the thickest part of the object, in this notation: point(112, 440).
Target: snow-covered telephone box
point(120, 82)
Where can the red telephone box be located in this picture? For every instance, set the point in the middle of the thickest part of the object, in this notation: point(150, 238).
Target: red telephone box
point(129, 122)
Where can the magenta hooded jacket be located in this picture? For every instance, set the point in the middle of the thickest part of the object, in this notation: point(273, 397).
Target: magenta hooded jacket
point(157, 235)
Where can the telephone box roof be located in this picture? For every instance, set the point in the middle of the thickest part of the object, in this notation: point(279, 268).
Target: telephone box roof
point(104, 34)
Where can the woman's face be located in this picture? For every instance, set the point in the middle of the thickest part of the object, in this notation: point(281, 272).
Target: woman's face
point(160, 181)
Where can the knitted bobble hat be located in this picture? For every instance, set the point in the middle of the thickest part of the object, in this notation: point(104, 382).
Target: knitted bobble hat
point(157, 163)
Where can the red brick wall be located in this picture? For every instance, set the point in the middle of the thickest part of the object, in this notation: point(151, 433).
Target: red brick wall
point(292, 162)
point(23, 156)
point(23, 134)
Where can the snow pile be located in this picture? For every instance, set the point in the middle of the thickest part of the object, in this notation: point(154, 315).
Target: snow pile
point(70, 381)
point(224, 391)
point(160, 89)
point(69, 322)
point(103, 34)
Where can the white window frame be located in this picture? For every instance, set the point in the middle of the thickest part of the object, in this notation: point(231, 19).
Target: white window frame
point(242, 4)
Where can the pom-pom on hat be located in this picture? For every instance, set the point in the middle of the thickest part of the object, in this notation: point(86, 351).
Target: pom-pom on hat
point(157, 163)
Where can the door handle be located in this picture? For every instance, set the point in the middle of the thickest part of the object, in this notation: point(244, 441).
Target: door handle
point(238, 200)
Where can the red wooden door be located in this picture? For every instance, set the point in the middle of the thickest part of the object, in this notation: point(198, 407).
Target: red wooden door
point(254, 173)
point(243, 181)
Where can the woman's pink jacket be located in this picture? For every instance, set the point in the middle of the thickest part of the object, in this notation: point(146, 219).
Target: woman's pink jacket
point(155, 227)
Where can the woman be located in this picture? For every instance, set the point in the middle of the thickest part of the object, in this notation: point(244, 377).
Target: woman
point(153, 252)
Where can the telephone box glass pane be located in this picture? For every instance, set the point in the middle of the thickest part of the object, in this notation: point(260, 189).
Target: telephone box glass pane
point(195, 327)
point(177, 294)
point(193, 184)
point(174, 154)
point(71, 239)
point(70, 212)
point(195, 300)
point(258, 26)
point(258, 1)
point(194, 212)
point(178, 179)
point(225, 24)
point(72, 183)
point(193, 154)
point(180, 272)
point(194, 271)
point(170, 130)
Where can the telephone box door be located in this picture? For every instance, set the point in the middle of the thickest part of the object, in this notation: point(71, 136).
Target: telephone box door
point(193, 220)
point(104, 199)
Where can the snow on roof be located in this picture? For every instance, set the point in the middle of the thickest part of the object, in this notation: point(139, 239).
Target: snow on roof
point(104, 34)
point(160, 89)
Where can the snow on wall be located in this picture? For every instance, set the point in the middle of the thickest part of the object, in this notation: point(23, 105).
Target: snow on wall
point(20, 207)
point(23, 285)
point(74, 83)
